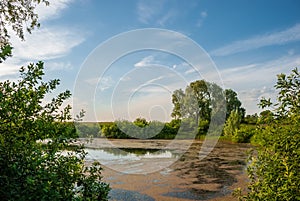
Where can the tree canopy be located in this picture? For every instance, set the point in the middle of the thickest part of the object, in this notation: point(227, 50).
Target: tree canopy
point(200, 98)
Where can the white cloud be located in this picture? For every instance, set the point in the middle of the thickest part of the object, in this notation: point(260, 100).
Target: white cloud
point(254, 81)
point(276, 38)
point(105, 83)
point(55, 66)
point(8, 70)
point(53, 10)
point(46, 43)
point(145, 62)
point(102, 83)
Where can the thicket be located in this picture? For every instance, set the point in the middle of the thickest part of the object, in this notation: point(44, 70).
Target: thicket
point(274, 170)
point(36, 158)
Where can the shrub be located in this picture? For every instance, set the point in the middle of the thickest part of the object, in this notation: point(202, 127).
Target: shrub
point(274, 171)
point(232, 124)
point(244, 134)
point(37, 161)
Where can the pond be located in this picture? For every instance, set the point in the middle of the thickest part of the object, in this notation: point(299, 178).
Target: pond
point(149, 170)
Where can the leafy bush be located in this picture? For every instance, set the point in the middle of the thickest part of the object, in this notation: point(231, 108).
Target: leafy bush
point(232, 124)
point(274, 171)
point(37, 161)
point(244, 134)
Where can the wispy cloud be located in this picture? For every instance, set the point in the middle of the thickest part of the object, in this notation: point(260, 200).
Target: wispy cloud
point(7, 70)
point(53, 10)
point(105, 83)
point(55, 66)
point(256, 80)
point(147, 10)
point(155, 12)
point(201, 19)
point(145, 62)
point(167, 17)
point(102, 83)
point(47, 43)
point(276, 38)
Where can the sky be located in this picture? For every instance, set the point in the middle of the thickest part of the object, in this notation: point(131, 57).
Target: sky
point(238, 44)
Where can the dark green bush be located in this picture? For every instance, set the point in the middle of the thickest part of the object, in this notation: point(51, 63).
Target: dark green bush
point(37, 159)
point(244, 133)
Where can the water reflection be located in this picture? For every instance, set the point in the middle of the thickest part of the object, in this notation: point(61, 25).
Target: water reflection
point(132, 160)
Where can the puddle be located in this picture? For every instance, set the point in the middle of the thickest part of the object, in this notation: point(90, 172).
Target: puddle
point(132, 160)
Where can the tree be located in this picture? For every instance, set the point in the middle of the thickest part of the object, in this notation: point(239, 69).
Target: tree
point(233, 103)
point(177, 96)
point(193, 102)
point(200, 102)
point(232, 124)
point(202, 94)
point(274, 171)
point(37, 159)
point(141, 122)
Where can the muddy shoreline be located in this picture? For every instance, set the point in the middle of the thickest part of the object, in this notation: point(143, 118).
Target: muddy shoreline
point(188, 178)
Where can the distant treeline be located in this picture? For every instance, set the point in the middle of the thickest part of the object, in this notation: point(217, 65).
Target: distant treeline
point(138, 129)
point(142, 129)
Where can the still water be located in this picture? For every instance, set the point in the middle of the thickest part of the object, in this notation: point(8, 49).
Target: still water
point(132, 160)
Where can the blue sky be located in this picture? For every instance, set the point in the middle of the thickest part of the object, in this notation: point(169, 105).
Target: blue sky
point(248, 41)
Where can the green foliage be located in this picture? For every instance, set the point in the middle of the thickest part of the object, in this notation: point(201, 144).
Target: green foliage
point(266, 117)
point(177, 96)
point(232, 124)
point(274, 170)
point(37, 160)
point(203, 127)
point(244, 133)
point(154, 129)
point(250, 119)
point(199, 103)
point(88, 129)
point(15, 15)
point(112, 131)
point(233, 103)
point(141, 122)
point(5, 51)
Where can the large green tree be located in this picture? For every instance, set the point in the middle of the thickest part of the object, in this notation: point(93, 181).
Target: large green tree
point(195, 101)
point(199, 102)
